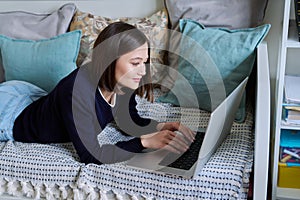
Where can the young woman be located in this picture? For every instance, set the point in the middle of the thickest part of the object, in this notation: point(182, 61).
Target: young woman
point(103, 91)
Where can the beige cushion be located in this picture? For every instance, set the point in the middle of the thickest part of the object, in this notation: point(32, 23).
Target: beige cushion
point(154, 27)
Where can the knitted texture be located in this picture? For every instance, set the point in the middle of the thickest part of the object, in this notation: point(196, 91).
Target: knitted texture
point(53, 171)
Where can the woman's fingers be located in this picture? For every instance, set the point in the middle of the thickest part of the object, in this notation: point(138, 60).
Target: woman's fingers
point(179, 146)
point(167, 139)
point(176, 141)
point(173, 126)
point(180, 138)
point(188, 133)
point(171, 149)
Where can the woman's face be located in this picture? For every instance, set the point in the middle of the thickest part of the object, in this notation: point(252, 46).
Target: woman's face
point(130, 67)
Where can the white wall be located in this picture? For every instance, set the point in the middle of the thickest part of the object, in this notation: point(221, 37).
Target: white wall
point(100, 7)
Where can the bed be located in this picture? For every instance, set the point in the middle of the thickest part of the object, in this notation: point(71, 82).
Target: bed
point(237, 170)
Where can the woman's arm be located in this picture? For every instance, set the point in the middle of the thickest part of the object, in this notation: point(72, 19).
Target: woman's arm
point(83, 126)
point(154, 135)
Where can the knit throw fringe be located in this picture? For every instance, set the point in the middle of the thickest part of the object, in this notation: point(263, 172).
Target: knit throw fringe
point(74, 191)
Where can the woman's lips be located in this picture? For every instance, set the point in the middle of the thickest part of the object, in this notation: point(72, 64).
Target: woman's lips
point(137, 80)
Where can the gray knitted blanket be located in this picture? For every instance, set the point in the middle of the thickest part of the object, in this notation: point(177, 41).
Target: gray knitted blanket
point(54, 172)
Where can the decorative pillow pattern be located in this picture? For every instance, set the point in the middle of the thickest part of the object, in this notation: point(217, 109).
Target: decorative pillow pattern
point(154, 27)
point(42, 62)
point(232, 14)
point(212, 58)
point(32, 26)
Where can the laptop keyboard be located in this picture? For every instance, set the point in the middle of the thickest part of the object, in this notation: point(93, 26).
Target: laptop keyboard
point(188, 158)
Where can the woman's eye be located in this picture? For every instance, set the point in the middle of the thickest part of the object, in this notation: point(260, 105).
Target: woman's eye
point(135, 64)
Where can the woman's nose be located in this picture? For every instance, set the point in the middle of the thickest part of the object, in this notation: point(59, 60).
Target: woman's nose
point(142, 70)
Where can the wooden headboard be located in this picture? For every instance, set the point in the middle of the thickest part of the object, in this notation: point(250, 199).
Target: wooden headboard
point(107, 8)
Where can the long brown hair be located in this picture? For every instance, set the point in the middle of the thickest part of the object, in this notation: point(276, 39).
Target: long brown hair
point(114, 41)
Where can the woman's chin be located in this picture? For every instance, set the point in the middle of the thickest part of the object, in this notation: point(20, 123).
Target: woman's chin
point(133, 87)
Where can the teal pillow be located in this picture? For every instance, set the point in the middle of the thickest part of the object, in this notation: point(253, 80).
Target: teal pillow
point(40, 62)
point(212, 62)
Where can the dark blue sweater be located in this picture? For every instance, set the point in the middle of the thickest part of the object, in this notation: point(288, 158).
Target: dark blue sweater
point(75, 111)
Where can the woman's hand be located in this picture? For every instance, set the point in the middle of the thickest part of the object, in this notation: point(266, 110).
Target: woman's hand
point(176, 126)
point(165, 139)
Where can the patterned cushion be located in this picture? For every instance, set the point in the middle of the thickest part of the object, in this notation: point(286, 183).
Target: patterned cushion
point(154, 27)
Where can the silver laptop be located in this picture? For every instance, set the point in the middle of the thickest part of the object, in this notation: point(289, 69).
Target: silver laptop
point(190, 163)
